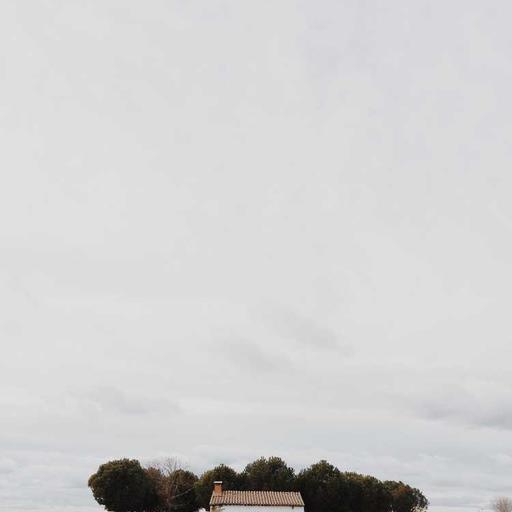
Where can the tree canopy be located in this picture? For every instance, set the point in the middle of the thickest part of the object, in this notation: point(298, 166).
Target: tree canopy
point(175, 487)
point(405, 498)
point(323, 488)
point(272, 474)
point(228, 476)
point(125, 486)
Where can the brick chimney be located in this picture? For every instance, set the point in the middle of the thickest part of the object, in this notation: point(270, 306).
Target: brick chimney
point(217, 488)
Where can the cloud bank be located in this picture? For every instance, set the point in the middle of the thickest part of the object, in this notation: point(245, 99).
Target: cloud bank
point(236, 229)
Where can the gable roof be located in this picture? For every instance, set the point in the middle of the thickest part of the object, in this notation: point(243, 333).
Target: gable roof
point(261, 498)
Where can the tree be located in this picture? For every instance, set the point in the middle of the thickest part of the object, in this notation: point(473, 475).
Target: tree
point(272, 474)
point(164, 486)
point(367, 494)
point(123, 486)
point(405, 498)
point(230, 480)
point(175, 487)
point(185, 499)
point(161, 474)
point(323, 487)
point(502, 504)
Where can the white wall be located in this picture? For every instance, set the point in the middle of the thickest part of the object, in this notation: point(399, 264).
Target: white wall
point(251, 508)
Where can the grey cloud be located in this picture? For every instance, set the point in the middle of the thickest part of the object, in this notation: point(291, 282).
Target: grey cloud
point(250, 356)
point(110, 399)
point(462, 407)
point(306, 332)
point(160, 186)
point(7, 465)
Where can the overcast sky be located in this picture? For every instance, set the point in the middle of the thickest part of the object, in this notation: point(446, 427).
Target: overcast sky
point(231, 229)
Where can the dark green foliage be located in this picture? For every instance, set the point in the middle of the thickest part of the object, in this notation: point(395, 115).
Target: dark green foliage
point(229, 477)
point(405, 498)
point(272, 474)
point(323, 487)
point(366, 493)
point(123, 486)
point(185, 499)
point(175, 489)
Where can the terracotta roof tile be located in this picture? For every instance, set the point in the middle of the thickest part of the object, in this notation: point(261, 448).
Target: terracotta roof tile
point(262, 498)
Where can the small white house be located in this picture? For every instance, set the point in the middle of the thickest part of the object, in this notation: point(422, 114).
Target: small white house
point(254, 501)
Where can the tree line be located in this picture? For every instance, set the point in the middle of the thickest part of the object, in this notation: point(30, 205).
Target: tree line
point(126, 486)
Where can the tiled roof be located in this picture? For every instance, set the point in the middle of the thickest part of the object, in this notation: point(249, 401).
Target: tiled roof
point(262, 498)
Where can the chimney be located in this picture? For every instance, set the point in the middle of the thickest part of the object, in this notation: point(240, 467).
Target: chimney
point(217, 488)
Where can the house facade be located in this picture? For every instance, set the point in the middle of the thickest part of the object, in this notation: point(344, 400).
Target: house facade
point(254, 501)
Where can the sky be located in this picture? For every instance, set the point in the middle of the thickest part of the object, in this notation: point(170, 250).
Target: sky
point(233, 229)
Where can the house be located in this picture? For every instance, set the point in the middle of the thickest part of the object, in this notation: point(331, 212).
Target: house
point(254, 501)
